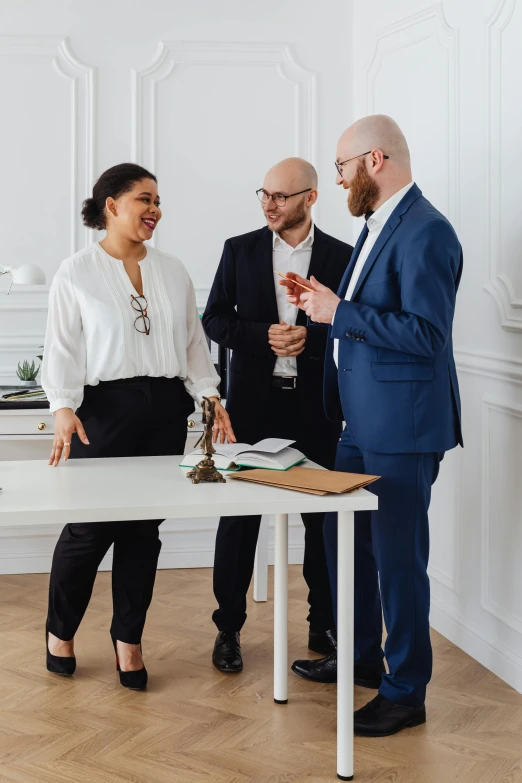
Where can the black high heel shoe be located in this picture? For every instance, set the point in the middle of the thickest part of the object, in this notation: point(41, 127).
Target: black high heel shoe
point(135, 681)
point(55, 663)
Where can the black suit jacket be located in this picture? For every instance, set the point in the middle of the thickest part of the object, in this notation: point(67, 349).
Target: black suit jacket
point(241, 308)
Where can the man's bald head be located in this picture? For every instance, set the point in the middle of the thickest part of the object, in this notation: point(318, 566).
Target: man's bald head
point(292, 173)
point(373, 162)
point(296, 178)
point(378, 132)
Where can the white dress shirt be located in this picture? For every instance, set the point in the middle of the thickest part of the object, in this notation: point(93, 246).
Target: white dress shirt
point(286, 258)
point(375, 224)
point(91, 336)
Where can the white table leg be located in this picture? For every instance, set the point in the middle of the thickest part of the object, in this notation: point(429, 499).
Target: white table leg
point(281, 609)
point(345, 593)
point(261, 562)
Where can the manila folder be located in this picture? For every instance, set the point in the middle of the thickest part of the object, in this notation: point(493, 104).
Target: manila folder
point(317, 482)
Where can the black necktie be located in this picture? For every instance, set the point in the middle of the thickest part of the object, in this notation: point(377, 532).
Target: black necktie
point(368, 215)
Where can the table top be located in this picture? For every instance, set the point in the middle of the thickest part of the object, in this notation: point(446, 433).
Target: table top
point(126, 488)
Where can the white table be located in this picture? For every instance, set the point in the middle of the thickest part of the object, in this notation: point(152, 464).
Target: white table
point(155, 488)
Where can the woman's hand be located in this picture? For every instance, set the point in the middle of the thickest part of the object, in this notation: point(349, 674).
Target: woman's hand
point(222, 426)
point(66, 423)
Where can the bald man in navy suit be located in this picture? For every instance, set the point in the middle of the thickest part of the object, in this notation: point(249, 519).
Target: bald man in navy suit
point(390, 374)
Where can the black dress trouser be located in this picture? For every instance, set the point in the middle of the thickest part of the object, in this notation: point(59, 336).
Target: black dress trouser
point(236, 537)
point(135, 417)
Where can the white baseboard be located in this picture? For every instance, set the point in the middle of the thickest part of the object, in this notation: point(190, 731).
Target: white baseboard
point(503, 662)
point(185, 544)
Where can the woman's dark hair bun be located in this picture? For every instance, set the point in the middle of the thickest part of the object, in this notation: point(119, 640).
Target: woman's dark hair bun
point(113, 183)
point(92, 217)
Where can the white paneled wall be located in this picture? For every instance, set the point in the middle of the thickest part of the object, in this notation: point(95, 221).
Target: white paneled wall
point(448, 73)
point(208, 95)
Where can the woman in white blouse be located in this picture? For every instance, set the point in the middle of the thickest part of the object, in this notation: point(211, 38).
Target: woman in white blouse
point(125, 357)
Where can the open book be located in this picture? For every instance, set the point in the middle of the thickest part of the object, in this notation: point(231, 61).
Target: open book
point(270, 453)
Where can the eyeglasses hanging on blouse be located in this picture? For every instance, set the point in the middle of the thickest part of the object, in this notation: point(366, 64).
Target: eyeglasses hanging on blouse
point(142, 322)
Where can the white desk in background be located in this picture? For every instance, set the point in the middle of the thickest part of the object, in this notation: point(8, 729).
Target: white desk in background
point(97, 490)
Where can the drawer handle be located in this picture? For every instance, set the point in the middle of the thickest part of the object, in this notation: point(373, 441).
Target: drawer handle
point(191, 424)
point(42, 426)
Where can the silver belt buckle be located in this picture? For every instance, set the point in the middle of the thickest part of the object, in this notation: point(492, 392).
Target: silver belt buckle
point(292, 379)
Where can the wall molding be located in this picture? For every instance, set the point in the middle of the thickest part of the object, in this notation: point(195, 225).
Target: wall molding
point(452, 581)
point(443, 579)
point(496, 657)
point(488, 365)
point(32, 298)
point(490, 606)
point(15, 349)
point(57, 54)
point(499, 285)
point(423, 26)
point(174, 57)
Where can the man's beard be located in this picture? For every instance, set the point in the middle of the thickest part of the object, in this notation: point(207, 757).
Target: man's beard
point(364, 192)
point(292, 219)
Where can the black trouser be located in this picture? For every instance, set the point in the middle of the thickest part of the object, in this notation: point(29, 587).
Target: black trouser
point(236, 537)
point(138, 417)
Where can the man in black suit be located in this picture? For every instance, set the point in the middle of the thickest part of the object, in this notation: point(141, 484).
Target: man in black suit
point(275, 383)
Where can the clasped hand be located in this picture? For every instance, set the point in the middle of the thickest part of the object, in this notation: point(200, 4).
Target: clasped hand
point(287, 340)
point(319, 305)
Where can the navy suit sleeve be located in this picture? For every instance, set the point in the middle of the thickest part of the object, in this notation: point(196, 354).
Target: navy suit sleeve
point(220, 319)
point(428, 279)
point(316, 337)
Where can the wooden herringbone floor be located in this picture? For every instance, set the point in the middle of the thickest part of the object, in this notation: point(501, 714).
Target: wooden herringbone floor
point(195, 725)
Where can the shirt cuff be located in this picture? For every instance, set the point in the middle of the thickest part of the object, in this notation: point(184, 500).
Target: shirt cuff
point(65, 402)
point(210, 392)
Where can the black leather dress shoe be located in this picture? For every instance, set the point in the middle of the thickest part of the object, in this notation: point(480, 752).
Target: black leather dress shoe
point(226, 655)
point(325, 670)
point(382, 717)
point(322, 642)
point(320, 670)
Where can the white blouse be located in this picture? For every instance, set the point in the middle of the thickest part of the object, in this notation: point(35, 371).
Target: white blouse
point(91, 336)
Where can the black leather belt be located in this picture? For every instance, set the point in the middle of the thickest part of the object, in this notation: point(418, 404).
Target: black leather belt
point(284, 382)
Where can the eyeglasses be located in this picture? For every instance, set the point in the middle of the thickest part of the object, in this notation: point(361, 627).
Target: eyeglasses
point(279, 199)
point(338, 165)
point(142, 322)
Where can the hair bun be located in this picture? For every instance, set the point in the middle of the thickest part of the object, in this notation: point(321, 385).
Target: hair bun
point(92, 216)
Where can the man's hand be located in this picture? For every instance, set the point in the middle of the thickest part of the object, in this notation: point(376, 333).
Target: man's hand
point(287, 340)
point(320, 306)
point(294, 290)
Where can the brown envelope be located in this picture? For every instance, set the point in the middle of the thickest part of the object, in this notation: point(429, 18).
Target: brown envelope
point(316, 482)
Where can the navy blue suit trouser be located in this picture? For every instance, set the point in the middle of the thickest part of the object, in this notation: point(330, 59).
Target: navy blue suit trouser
point(391, 560)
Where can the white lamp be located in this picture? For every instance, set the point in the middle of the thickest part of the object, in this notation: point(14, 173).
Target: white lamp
point(26, 274)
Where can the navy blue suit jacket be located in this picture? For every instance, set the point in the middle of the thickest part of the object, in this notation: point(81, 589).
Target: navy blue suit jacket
point(396, 384)
point(241, 307)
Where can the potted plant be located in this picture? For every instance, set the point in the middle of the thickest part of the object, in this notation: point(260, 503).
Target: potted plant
point(27, 373)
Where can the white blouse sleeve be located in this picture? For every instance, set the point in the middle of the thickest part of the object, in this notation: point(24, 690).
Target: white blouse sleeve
point(64, 355)
point(202, 379)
